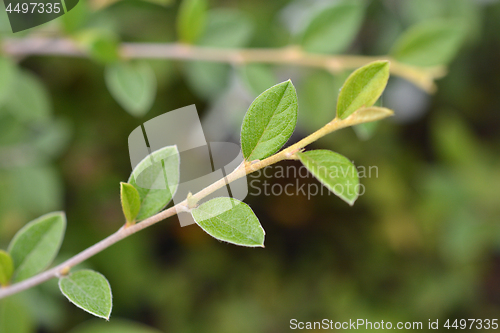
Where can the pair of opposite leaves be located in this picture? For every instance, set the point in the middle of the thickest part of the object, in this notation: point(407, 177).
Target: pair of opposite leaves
point(35, 246)
point(267, 126)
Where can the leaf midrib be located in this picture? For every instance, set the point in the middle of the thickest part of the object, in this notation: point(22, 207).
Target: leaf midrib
point(86, 294)
point(30, 254)
point(316, 164)
point(229, 225)
point(272, 116)
point(362, 90)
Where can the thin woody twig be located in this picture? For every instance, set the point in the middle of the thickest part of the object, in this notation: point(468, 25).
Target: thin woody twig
point(127, 230)
point(422, 77)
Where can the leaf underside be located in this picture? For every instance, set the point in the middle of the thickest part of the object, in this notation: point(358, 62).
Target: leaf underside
point(35, 246)
point(89, 291)
point(230, 220)
point(334, 171)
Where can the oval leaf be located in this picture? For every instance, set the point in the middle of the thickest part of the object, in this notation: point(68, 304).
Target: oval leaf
point(6, 268)
point(227, 28)
point(372, 113)
point(29, 100)
point(207, 79)
point(133, 86)
point(429, 43)
point(88, 290)
point(131, 201)
point(362, 88)
point(257, 77)
point(332, 29)
point(35, 246)
point(230, 220)
point(269, 122)
point(101, 45)
point(156, 178)
point(191, 20)
point(334, 171)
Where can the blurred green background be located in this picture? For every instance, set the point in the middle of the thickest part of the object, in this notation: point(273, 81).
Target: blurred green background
point(422, 243)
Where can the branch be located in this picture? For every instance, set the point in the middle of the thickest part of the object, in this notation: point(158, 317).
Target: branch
point(422, 77)
point(127, 230)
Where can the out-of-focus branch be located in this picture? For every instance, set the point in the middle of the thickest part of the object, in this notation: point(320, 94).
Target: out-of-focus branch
point(420, 76)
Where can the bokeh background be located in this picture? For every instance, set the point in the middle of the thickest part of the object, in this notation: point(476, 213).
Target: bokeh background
point(422, 243)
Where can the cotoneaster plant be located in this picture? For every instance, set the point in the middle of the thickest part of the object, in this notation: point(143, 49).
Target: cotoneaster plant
point(267, 126)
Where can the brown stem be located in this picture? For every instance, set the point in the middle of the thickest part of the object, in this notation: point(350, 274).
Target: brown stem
point(244, 169)
point(420, 76)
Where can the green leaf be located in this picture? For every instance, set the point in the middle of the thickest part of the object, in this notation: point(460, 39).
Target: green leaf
point(35, 246)
point(156, 178)
point(76, 18)
point(372, 113)
point(207, 79)
point(7, 78)
point(52, 138)
point(36, 189)
point(191, 20)
point(104, 49)
point(133, 86)
point(6, 268)
point(102, 45)
point(88, 290)
point(362, 88)
point(29, 100)
point(257, 77)
point(269, 121)
point(454, 142)
point(230, 220)
point(131, 201)
point(227, 28)
point(115, 326)
point(429, 43)
point(332, 29)
point(467, 12)
point(334, 171)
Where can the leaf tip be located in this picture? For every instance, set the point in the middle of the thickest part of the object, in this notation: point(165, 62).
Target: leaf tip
point(385, 62)
point(385, 65)
point(89, 291)
point(60, 213)
point(286, 84)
